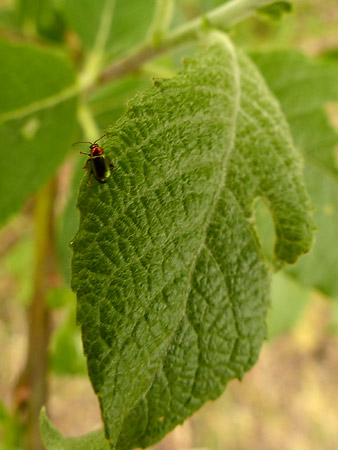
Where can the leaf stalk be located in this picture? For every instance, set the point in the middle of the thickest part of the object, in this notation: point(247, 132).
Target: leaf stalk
point(31, 389)
point(89, 126)
point(161, 21)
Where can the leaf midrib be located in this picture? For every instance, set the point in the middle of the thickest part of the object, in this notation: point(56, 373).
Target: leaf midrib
point(224, 164)
point(103, 30)
point(216, 198)
point(222, 182)
point(45, 103)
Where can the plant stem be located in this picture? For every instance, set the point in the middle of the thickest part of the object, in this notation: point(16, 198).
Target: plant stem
point(31, 390)
point(93, 63)
point(161, 21)
point(86, 119)
point(130, 63)
point(224, 16)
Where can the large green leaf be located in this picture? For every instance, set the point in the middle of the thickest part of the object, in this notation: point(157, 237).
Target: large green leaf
point(171, 280)
point(288, 302)
point(37, 117)
point(303, 88)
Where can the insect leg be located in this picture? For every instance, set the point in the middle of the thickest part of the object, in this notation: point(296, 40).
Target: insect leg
point(111, 165)
point(90, 172)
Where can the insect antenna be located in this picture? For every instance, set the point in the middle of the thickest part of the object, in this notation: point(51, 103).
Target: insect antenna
point(99, 139)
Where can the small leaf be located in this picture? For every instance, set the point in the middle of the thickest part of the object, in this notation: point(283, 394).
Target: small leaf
point(304, 87)
point(53, 439)
point(206, 5)
point(39, 17)
point(37, 117)
point(276, 10)
point(66, 355)
point(288, 301)
point(171, 280)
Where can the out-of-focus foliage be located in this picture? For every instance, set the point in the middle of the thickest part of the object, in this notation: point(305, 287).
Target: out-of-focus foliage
point(304, 88)
point(37, 118)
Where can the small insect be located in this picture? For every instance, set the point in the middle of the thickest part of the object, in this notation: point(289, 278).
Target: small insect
point(97, 164)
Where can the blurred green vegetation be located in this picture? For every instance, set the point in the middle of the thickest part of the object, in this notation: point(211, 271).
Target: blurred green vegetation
point(290, 393)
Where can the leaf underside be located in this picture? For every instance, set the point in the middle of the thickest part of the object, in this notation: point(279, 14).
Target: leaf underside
point(171, 280)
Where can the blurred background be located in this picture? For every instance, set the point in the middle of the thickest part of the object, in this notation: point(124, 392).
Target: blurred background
point(289, 400)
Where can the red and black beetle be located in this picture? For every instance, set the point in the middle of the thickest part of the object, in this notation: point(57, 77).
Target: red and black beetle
point(98, 164)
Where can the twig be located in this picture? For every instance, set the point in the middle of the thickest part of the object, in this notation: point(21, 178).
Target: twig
point(31, 390)
point(224, 16)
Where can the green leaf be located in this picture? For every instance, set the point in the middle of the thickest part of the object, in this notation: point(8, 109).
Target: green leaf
point(40, 17)
point(11, 429)
point(303, 88)
point(66, 355)
point(18, 264)
point(171, 280)
point(330, 55)
point(276, 10)
point(288, 301)
point(53, 439)
point(110, 27)
point(204, 5)
point(37, 117)
point(69, 219)
point(8, 18)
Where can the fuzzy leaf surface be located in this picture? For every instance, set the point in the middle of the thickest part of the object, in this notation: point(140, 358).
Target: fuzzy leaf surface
point(304, 88)
point(171, 280)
